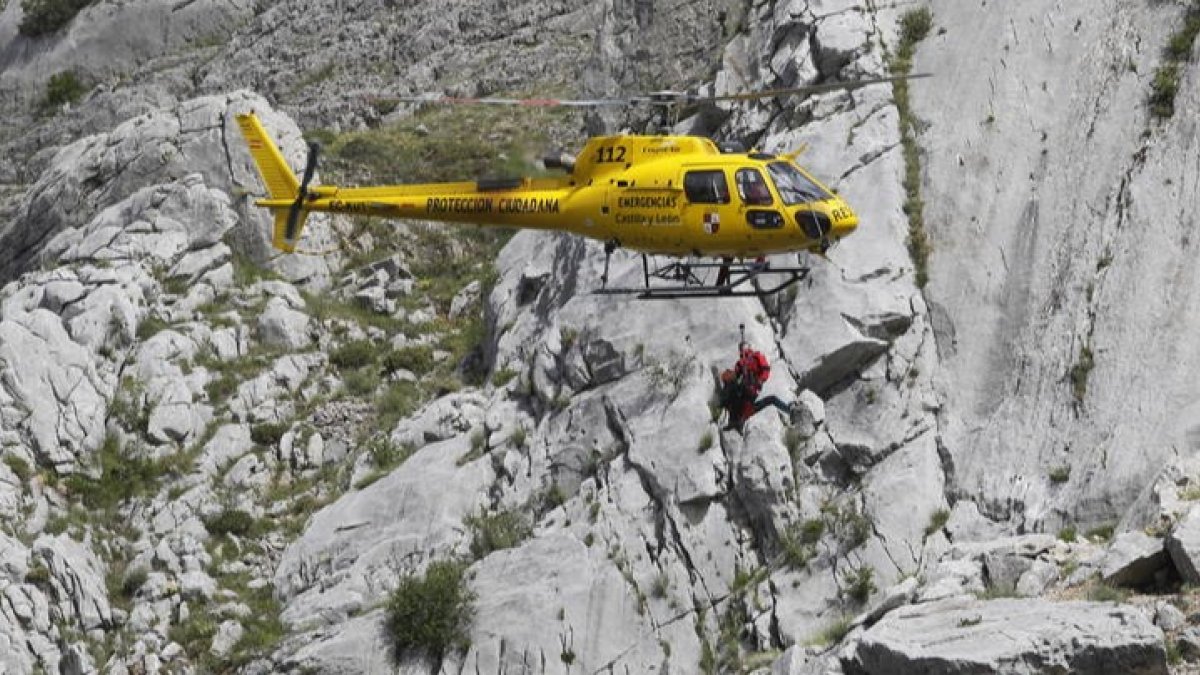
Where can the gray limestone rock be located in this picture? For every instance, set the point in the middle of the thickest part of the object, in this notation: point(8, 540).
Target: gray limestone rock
point(229, 443)
point(50, 391)
point(350, 548)
point(1169, 617)
point(351, 647)
point(1133, 559)
point(1189, 644)
point(228, 634)
point(78, 577)
point(281, 326)
point(809, 413)
point(521, 592)
point(1011, 636)
point(1183, 545)
point(1000, 165)
point(465, 299)
point(99, 179)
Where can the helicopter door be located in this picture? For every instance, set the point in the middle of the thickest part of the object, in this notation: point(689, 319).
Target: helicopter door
point(707, 202)
point(757, 204)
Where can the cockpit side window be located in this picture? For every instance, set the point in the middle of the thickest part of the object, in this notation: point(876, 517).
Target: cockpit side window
point(706, 187)
point(752, 188)
point(795, 187)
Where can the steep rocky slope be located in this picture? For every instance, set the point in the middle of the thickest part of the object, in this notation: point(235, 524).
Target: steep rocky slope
point(213, 464)
point(1061, 211)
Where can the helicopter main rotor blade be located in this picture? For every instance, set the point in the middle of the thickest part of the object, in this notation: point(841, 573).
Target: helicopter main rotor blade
point(660, 98)
point(526, 102)
point(809, 89)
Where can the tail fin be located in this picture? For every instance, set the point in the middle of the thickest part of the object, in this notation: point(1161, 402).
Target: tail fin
point(283, 187)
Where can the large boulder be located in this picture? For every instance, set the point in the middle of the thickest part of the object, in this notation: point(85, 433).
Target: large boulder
point(1183, 543)
point(1134, 559)
point(353, 549)
point(1010, 636)
point(77, 580)
point(50, 390)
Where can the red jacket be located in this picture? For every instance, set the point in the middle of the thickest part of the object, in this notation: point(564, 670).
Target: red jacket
point(754, 368)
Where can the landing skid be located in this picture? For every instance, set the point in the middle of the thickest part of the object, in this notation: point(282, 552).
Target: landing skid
point(738, 279)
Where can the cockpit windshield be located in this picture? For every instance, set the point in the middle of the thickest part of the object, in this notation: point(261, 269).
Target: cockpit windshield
point(794, 187)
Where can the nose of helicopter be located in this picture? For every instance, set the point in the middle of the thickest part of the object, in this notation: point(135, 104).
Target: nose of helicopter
point(844, 220)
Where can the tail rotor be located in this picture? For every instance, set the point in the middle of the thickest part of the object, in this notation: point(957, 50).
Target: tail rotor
point(310, 167)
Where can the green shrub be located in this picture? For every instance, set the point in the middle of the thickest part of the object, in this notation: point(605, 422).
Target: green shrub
point(414, 358)
point(551, 498)
point(431, 614)
point(1177, 52)
point(398, 401)
point(849, 525)
point(123, 477)
point(1163, 89)
point(937, 521)
point(860, 584)
point(1067, 534)
point(268, 433)
point(133, 581)
point(831, 634)
point(503, 376)
point(128, 405)
point(568, 335)
point(19, 467)
point(1179, 47)
point(230, 522)
point(353, 355)
point(1101, 533)
point(811, 531)
point(386, 455)
point(497, 531)
point(43, 17)
point(797, 543)
point(221, 388)
point(151, 326)
point(38, 574)
point(361, 382)
point(1080, 372)
point(1105, 593)
point(1060, 474)
point(194, 635)
point(914, 26)
point(519, 437)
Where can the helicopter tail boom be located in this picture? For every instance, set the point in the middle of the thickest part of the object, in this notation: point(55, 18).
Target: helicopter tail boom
point(287, 194)
point(277, 176)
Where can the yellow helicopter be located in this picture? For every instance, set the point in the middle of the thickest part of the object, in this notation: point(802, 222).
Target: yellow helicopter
point(678, 196)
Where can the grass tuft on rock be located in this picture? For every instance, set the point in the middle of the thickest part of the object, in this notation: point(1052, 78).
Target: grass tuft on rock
point(230, 522)
point(353, 355)
point(914, 27)
point(123, 476)
point(496, 531)
point(1177, 52)
point(937, 521)
point(431, 614)
point(860, 584)
point(1081, 371)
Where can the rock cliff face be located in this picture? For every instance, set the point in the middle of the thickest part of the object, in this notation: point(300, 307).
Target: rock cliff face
point(1059, 284)
point(212, 463)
